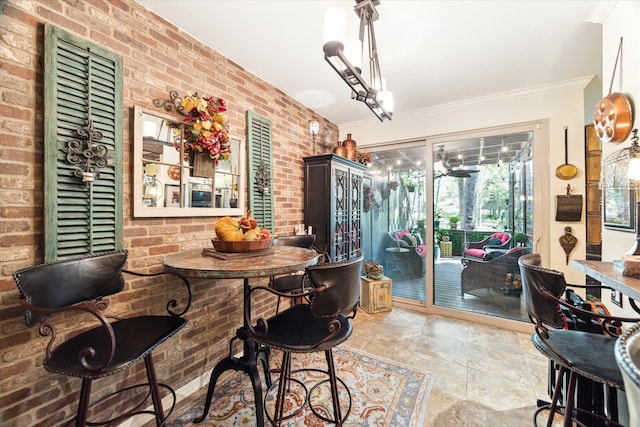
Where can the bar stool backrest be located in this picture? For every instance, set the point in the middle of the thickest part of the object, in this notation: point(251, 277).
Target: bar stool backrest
point(342, 281)
point(534, 279)
point(301, 240)
point(71, 281)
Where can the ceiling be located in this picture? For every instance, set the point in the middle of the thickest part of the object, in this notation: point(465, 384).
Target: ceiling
point(432, 53)
point(458, 156)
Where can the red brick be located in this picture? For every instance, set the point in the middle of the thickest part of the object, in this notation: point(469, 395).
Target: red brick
point(167, 59)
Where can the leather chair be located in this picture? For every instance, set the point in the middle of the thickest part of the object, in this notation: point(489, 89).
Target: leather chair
point(303, 328)
point(627, 350)
point(581, 354)
point(115, 344)
point(291, 283)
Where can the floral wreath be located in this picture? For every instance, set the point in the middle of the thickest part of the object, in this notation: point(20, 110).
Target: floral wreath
point(206, 127)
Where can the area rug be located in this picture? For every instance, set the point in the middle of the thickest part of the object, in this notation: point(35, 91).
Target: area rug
point(384, 393)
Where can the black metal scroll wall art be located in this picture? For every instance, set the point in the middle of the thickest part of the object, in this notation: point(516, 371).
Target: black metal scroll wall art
point(86, 153)
point(263, 178)
point(174, 102)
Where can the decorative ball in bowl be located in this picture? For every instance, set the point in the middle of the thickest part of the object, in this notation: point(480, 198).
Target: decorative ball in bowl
point(241, 245)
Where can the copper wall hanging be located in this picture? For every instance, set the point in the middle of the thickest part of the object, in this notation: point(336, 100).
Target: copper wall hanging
point(613, 116)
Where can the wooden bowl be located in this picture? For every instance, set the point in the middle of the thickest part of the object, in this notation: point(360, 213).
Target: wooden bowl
point(241, 245)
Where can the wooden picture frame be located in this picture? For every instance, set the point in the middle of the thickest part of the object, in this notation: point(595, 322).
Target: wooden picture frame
point(171, 196)
point(619, 209)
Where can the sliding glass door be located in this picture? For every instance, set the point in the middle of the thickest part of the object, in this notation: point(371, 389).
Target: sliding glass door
point(448, 219)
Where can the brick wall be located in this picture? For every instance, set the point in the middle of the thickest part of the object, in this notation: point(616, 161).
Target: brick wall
point(157, 58)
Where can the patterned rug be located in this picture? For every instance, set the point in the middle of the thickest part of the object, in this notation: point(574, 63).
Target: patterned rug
point(384, 393)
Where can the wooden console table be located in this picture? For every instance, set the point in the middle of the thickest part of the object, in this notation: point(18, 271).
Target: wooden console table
point(611, 276)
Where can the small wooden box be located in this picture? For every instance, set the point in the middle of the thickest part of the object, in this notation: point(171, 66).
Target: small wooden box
point(375, 295)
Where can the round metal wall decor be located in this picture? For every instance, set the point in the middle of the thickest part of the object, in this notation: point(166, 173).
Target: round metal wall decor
point(613, 119)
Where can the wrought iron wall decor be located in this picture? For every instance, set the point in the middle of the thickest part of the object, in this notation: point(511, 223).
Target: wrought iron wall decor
point(174, 102)
point(263, 178)
point(87, 152)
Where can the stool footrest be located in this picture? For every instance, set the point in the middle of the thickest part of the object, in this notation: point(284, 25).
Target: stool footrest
point(138, 408)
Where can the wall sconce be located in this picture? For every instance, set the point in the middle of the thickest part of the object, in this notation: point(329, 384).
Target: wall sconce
point(314, 129)
point(86, 153)
point(263, 178)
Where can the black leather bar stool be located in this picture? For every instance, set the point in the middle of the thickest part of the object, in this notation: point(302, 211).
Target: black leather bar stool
point(115, 344)
point(320, 325)
point(579, 353)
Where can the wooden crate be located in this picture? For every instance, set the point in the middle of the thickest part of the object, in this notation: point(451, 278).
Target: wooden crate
point(375, 295)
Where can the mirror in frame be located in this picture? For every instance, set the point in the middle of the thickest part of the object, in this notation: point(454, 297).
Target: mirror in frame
point(164, 183)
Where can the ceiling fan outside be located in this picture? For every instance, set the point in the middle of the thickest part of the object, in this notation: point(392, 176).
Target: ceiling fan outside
point(461, 173)
point(448, 170)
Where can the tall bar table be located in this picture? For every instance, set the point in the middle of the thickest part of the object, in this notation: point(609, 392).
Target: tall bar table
point(609, 275)
point(193, 265)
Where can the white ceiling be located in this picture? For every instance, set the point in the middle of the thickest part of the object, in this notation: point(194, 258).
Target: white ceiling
point(431, 52)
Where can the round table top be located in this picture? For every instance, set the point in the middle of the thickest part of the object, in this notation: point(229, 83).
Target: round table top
point(285, 259)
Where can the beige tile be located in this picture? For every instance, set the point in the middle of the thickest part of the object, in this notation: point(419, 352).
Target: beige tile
point(497, 392)
point(484, 376)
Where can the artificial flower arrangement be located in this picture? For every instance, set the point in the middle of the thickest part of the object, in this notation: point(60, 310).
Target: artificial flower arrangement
point(372, 269)
point(206, 129)
point(363, 157)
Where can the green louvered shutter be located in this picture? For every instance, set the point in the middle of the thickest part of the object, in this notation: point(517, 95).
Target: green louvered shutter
point(260, 161)
point(83, 83)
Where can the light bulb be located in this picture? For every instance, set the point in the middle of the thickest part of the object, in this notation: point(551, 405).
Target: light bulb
point(633, 169)
point(385, 97)
point(353, 52)
point(334, 25)
point(314, 127)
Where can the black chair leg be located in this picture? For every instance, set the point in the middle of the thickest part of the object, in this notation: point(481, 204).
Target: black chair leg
point(278, 306)
point(285, 371)
point(155, 390)
point(263, 355)
point(83, 405)
point(568, 412)
point(554, 400)
point(337, 413)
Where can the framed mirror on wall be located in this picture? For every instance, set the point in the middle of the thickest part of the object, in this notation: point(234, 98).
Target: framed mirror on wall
point(619, 209)
point(169, 182)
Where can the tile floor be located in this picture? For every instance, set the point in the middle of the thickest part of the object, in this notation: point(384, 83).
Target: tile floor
point(485, 376)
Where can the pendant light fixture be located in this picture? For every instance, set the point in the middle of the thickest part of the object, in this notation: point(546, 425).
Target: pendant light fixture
point(373, 92)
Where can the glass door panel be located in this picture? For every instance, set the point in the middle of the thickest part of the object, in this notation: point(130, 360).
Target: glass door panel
point(394, 217)
point(482, 211)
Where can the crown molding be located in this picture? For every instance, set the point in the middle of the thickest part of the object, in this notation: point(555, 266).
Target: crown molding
point(571, 84)
point(600, 11)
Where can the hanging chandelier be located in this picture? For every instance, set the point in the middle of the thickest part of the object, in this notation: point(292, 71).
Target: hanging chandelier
point(373, 92)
